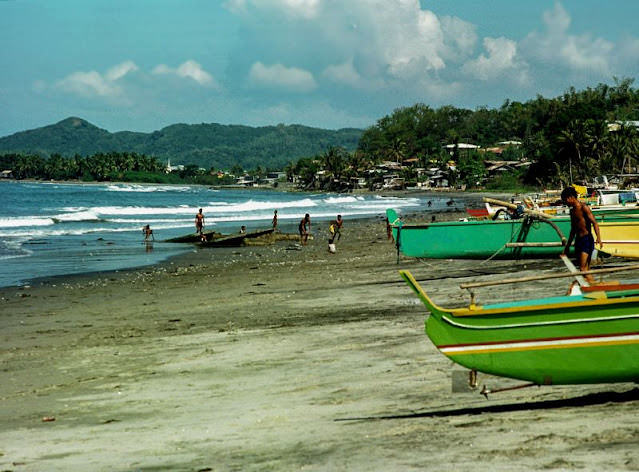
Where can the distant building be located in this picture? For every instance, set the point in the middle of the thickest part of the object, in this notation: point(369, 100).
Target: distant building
point(170, 168)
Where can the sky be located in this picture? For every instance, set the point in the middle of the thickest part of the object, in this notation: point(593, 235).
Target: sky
point(141, 65)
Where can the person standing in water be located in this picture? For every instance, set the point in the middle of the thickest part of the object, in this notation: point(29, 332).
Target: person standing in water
point(199, 222)
point(274, 219)
point(148, 233)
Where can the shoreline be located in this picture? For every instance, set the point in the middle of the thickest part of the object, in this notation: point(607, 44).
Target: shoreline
point(175, 259)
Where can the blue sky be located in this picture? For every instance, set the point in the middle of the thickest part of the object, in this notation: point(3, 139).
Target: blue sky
point(140, 65)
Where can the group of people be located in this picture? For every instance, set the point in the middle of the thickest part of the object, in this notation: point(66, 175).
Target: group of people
point(334, 231)
point(334, 228)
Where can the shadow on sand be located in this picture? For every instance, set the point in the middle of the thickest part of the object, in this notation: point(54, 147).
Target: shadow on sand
point(590, 399)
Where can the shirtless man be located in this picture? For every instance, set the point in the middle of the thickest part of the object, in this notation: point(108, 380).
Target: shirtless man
point(199, 222)
point(339, 222)
point(305, 228)
point(581, 221)
point(148, 233)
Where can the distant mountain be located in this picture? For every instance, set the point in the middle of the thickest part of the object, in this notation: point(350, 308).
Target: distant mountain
point(206, 145)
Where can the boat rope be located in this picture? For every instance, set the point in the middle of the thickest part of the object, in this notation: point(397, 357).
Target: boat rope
point(494, 255)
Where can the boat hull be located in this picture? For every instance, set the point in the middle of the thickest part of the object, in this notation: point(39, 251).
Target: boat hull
point(488, 238)
point(584, 352)
point(560, 340)
point(620, 238)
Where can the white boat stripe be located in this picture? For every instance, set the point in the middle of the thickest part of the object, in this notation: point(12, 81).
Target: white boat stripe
point(538, 323)
point(526, 345)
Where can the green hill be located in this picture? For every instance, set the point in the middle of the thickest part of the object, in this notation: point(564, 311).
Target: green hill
point(206, 145)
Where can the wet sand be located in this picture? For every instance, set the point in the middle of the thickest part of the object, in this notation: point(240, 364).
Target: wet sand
point(281, 357)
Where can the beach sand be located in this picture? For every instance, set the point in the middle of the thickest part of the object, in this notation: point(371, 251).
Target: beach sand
point(281, 357)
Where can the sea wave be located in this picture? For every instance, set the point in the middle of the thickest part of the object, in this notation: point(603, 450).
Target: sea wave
point(25, 221)
point(253, 205)
point(342, 200)
point(12, 248)
point(146, 188)
point(77, 216)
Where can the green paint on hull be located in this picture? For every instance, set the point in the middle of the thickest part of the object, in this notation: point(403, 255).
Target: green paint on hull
point(483, 238)
point(558, 340)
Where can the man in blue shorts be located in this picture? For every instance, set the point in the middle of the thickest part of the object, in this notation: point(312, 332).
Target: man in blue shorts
point(581, 221)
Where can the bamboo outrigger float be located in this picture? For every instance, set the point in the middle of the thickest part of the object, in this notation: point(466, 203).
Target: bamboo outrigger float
point(576, 339)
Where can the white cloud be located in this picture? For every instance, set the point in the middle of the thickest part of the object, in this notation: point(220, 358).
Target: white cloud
point(92, 83)
point(344, 73)
point(278, 76)
point(119, 71)
point(189, 70)
point(499, 61)
point(306, 9)
point(557, 46)
point(365, 44)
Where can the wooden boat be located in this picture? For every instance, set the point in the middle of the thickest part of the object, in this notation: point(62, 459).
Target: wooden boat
point(478, 213)
point(194, 237)
point(620, 238)
point(577, 339)
point(236, 239)
point(508, 239)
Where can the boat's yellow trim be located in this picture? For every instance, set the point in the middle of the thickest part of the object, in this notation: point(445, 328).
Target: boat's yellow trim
point(426, 300)
point(596, 299)
point(480, 310)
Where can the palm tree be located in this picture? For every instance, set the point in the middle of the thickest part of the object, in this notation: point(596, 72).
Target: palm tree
point(334, 162)
point(573, 139)
point(625, 144)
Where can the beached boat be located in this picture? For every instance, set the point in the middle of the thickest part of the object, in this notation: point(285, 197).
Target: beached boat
point(508, 239)
point(577, 339)
point(194, 237)
point(213, 239)
point(236, 239)
point(620, 238)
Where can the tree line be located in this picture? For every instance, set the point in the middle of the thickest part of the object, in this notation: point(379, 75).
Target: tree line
point(571, 138)
point(111, 166)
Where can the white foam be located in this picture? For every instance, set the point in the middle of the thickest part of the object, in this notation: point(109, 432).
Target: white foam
point(25, 221)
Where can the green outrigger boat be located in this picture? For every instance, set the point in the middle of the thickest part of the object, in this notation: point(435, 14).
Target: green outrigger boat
point(576, 339)
point(481, 239)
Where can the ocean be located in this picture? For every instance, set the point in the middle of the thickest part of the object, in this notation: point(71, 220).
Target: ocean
point(49, 229)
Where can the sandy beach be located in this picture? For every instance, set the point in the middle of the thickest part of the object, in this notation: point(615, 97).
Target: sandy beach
point(281, 357)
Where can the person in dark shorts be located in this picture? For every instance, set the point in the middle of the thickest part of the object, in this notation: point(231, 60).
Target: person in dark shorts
point(199, 222)
point(581, 222)
point(305, 229)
